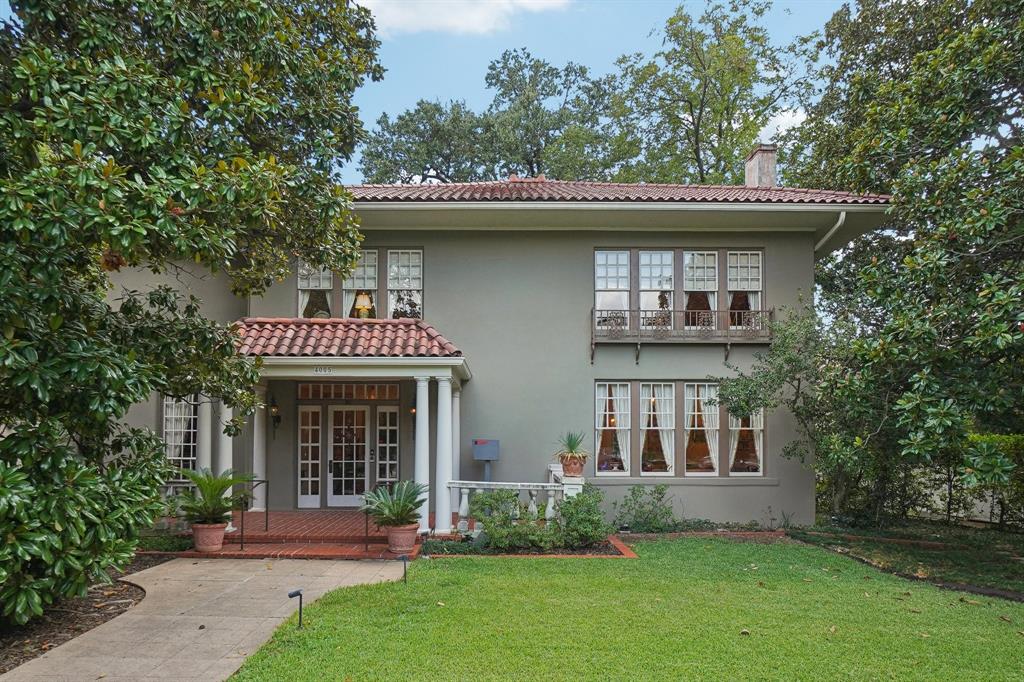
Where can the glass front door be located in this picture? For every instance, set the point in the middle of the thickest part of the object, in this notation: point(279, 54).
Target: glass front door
point(348, 471)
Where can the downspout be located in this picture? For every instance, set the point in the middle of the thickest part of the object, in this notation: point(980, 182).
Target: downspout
point(832, 231)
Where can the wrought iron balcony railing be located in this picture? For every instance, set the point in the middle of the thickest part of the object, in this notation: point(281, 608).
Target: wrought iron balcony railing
point(682, 325)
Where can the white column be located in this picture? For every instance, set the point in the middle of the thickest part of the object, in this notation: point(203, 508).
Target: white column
point(225, 443)
point(259, 449)
point(204, 434)
point(456, 442)
point(443, 462)
point(421, 467)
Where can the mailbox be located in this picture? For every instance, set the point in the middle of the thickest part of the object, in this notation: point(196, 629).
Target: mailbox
point(485, 449)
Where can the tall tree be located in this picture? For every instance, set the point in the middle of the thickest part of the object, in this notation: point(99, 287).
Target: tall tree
point(147, 134)
point(692, 111)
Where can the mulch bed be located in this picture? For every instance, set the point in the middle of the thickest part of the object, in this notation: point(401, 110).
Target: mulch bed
point(762, 536)
point(613, 548)
point(68, 618)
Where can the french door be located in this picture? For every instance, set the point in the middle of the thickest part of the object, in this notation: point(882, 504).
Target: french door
point(348, 466)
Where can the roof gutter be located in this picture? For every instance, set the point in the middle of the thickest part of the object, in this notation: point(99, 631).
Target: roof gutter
point(832, 231)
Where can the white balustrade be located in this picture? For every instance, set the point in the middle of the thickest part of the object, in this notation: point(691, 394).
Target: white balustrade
point(554, 493)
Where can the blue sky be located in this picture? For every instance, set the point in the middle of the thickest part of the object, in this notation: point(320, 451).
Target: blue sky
point(439, 49)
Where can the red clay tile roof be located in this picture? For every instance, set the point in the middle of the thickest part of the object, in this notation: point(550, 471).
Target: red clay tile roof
point(540, 189)
point(304, 337)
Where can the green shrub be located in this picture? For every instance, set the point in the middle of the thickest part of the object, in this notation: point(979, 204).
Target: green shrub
point(165, 542)
point(646, 509)
point(581, 520)
point(504, 502)
point(453, 547)
point(507, 524)
point(1008, 496)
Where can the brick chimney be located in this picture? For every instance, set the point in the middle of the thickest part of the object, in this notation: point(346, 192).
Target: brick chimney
point(760, 170)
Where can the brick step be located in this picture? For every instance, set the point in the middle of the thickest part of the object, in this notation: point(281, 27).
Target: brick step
point(278, 539)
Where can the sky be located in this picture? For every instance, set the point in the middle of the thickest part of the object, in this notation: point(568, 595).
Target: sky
point(439, 49)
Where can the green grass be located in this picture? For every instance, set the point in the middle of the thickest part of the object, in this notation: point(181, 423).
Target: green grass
point(165, 542)
point(974, 556)
point(677, 612)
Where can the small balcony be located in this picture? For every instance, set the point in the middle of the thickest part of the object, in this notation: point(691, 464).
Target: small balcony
point(681, 326)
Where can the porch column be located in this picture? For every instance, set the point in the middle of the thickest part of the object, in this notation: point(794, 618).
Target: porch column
point(421, 468)
point(259, 448)
point(204, 434)
point(225, 443)
point(456, 442)
point(443, 462)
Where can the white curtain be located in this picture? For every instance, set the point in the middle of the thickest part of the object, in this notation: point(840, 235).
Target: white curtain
point(175, 422)
point(664, 403)
point(303, 301)
point(756, 427)
point(710, 413)
point(620, 403)
point(734, 439)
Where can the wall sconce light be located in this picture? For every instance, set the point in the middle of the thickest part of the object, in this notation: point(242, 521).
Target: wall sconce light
point(363, 305)
point(275, 413)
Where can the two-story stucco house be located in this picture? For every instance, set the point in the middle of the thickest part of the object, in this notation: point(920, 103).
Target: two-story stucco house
point(519, 310)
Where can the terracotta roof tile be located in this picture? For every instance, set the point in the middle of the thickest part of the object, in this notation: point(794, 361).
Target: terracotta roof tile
point(539, 189)
point(349, 337)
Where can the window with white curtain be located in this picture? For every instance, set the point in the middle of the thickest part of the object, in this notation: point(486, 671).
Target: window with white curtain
point(611, 288)
point(657, 428)
point(181, 431)
point(405, 283)
point(359, 290)
point(314, 287)
point(746, 444)
point(744, 286)
point(656, 285)
point(612, 414)
point(700, 289)
point(701, 428)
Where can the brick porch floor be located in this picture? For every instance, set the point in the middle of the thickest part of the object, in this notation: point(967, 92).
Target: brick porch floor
point(334, 526)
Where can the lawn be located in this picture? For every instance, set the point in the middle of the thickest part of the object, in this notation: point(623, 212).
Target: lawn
point(691, 608)
point(975, 556)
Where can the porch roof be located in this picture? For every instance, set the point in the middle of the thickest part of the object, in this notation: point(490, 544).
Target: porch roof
point(288, 337)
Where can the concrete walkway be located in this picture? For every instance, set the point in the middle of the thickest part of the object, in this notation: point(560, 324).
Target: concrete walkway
point(199, 620)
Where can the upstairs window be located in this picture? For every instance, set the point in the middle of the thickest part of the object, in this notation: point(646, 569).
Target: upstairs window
point(700, 289)
point(359, 291)
point(181, 431)
point(744, 287)
point(701, 429)
point(314, 291)
point(611, 288)
point(405, 283)
point(656, 288)
point(746, 444)
point(613, 427)
point(657, 428)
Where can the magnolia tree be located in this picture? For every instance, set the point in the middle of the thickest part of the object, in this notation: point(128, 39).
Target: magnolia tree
point(147, 135)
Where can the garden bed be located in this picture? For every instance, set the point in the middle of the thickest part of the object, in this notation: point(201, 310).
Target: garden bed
point(763, 536)
point(69, 618)
point(612, 548)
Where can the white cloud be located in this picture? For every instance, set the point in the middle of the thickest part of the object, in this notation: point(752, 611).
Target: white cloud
point(452, 16)
point(782, 121)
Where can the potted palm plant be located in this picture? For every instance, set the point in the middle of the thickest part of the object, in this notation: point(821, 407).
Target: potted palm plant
point(397, 509)
point(208, 504)
point(571, 453)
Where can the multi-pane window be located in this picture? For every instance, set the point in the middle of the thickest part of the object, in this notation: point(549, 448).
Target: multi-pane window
point(405, 283)
point(387, 445)
point(181, 431)
point(314, 291)
point(361, 392)
point(309, 455)
point(746, 444)
point(657, 428)
point(656, 288)
point(613, 427)
point(359, 291)
point(700, 288)
point(611, 287)
point(744, 286)
point(701, 427)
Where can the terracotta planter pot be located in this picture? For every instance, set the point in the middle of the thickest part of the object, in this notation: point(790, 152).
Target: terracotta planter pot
point(572, 466)
point(208, 537)
point(402, 539)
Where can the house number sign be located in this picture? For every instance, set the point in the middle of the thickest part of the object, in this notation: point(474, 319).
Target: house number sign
point(323, 369)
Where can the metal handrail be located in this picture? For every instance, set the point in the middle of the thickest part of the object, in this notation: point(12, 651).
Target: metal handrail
point(246, 497)
point(668, 324)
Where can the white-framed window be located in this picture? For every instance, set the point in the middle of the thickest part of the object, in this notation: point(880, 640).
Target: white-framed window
point(744, 286)
point(746, 445)
point(701, 428)
point(359, 290)
point(656, 288)
point(315, 287)
point(611, 288)
point(387, 445)
point(700, 289)
point(405, 283)
point(657, 429)
point(612, 422)
point(181, 431)
point(309, 460)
